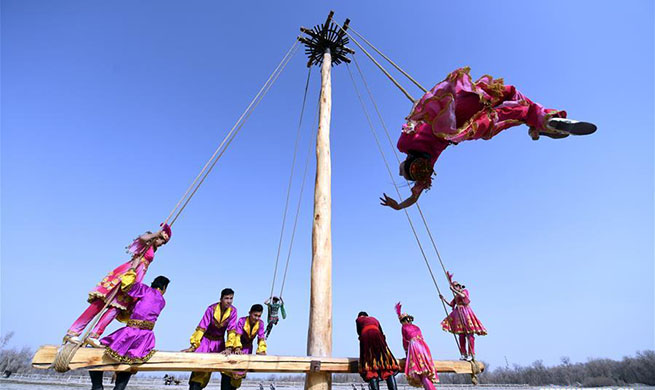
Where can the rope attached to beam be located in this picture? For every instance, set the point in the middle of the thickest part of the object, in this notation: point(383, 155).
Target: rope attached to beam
point(68, 350)
point(386, 163)
point(393, 80)
point(231, 135)
point(302, 187)
point(293, 165)
point(389, 60)
point(395, 153)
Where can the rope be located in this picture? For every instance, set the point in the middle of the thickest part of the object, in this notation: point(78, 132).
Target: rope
point(293, 165)
point(388, 59)
point(66, 353)
point(378, 64)
point(411, 224)
point(302, 187)
point(234, 128)
point(395, 153)
point(237, 127)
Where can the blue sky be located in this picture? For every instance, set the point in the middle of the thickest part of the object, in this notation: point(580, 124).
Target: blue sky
point(109, 110)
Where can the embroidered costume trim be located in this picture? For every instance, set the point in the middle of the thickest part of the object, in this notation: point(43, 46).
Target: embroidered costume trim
point(126, 359)
point(141, 324)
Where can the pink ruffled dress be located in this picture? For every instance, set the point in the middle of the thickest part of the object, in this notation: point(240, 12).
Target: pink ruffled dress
point(462, 320)
point(459, 109)
point(419, 363)
point(112, 281)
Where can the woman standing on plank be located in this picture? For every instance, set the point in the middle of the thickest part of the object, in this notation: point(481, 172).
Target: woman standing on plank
point(143, 251)
point(419, 366)
point(376, 362)
point(462, 321)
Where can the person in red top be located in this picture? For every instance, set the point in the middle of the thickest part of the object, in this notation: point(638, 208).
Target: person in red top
point(376, 362)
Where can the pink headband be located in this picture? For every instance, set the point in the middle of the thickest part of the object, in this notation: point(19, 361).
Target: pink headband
point(166, 229)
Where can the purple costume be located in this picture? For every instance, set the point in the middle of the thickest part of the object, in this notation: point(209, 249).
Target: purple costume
point(134, 343)
point(246, 334)
point(209, 336)
point(210, 333)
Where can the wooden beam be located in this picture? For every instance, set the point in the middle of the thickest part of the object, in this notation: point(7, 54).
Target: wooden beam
point(319, 338)
point(94, 358)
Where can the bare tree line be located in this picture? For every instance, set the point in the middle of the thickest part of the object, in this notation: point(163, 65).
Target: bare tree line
point(593, 373)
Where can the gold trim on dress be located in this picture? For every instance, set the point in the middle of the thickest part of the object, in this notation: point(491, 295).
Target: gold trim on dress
point(126, 359)
point(141, 324)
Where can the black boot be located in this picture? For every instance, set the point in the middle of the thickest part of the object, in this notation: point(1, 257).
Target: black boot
point(96, 380)
point(374, 384)
point(226, 382)
point(195, 386)
point(121, 380)
point(391, 383)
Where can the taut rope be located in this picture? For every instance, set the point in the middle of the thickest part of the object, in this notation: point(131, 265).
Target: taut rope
point(386, 163)
point(393, 80)
point(293, 165)
point(388, 59)
point(67, 351)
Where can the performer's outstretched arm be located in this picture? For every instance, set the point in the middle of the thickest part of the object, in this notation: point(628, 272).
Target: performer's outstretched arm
point(391, 202)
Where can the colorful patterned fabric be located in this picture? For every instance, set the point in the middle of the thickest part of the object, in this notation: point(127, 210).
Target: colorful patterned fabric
point(419, 364)
point(110, 282)
point(375, 357)
point(462, 320)
point(458, 109)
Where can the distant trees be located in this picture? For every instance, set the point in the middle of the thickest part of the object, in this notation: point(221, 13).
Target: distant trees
point(593, 373)
point(14, 360)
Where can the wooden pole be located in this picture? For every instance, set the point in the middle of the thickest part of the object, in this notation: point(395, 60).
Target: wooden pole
point(319, 339)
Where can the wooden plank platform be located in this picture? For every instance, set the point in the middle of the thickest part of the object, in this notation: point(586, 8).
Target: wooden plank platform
point(94, 358)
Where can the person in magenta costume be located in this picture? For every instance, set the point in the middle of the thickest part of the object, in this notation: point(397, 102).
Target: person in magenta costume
point(143, 250)
point(248, 328)
point(134, 343)
point(458, 109)
point(209, 337)
point(419, 365)
point(376, 361)
point(462, 320)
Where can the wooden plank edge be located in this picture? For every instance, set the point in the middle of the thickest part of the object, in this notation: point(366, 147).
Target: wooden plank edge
point(94, 358)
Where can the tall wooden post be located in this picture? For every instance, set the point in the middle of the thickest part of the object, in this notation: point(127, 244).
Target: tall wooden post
point(319, 340)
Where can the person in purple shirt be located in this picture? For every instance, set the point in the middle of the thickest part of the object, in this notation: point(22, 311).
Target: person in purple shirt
point(209, 337)
point(135, 342)
point(248, 328)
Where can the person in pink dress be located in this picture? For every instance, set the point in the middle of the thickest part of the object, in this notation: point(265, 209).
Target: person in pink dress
point(135, 342)
point(462, 321)
point(458, 109)
point(143, 251)
point(419, 365)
